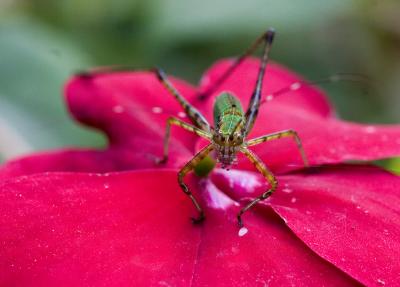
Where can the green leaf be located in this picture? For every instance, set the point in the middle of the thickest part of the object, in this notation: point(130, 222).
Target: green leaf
point(34, 64)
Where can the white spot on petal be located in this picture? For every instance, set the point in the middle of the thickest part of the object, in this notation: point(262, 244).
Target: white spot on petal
point(156, 110)
point(118, 109)
point(380, 282)
point(242, 231)
point(269, 98)
point(295, 86)
point(205, 80)
point(287, 190)
point(370, 129)
point(181, 115)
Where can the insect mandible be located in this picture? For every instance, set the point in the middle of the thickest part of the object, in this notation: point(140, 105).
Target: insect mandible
point(231, 127)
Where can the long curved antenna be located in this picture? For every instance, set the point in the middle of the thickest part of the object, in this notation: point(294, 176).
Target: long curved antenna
point(255, 99)
point(339, 77)
point(236, 62)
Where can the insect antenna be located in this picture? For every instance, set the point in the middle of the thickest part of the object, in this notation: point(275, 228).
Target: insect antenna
point(339, 77)
point(236, 62)
point(252, 110)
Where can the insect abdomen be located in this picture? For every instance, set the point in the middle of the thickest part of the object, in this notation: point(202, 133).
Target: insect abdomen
point(228, 113)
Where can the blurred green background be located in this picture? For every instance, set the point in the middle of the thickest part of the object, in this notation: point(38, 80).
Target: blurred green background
point(42, 42)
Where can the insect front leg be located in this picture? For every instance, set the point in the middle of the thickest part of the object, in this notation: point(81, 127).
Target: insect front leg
point(185, 170)
point(278, 135)
point(266, 173)
point(182, 124)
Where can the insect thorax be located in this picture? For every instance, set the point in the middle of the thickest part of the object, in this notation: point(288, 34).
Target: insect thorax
point(228, 114)
point(228, 123)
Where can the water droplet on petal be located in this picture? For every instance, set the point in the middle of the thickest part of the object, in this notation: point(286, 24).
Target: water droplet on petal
point(118, 109)
point(293, 200)
point(380, 282)
point(269, 98)
point(287, 190)
point(370, 129)
point(181, 115)
point(243, 231)
point(106, 186)
point(295, 86)
point(156, 110)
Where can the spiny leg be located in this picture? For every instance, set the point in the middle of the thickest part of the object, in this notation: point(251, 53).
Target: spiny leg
point(185, 170)
point(266, 173)
point(195, 116)
point(278, 135)
point(182, 124)
point(254, 105)
point(234, 65)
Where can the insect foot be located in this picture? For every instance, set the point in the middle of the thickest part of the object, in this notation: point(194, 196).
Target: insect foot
point(199, 219)
point(240, 221)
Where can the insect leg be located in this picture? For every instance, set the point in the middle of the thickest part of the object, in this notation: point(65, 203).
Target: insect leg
point(185, 170)
point(252, 110)
point(195, 116)
point(278, 135)
point(234, 65)
point(266, 173)
point(182, 124)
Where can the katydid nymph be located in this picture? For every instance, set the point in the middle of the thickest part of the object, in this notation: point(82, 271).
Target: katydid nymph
point(231, 127)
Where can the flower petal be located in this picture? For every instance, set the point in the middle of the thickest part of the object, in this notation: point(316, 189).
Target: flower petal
point(348, 215)
point(69, 160)
point(325, 140)
point(132, 109)
point(242, 82)
point(125, 229)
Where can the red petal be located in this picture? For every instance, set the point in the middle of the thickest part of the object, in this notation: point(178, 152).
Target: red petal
point(325, 140)
point(347, 215)
point(128, 229)
point(132, 109)
point(69, 160)
point(242, 82)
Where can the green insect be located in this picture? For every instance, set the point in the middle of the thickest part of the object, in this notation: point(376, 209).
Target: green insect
point(231, 128)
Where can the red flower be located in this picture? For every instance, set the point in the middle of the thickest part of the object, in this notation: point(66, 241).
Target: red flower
point(67, 223)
